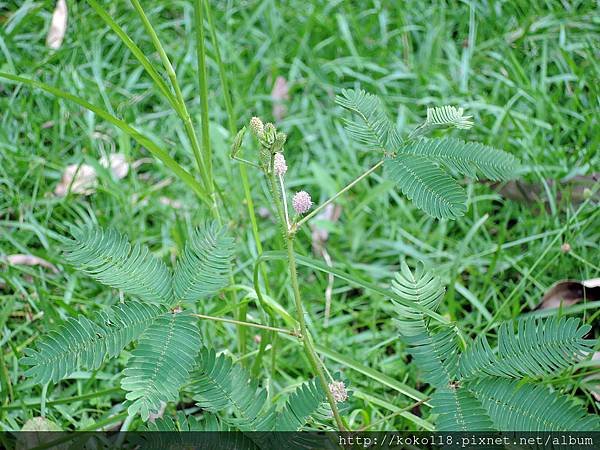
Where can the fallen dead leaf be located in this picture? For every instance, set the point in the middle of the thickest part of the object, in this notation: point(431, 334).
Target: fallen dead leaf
point(58, 26)
point(569, 292)
point(523, 191)
point(280, 94)
point(29, 260)
point(82, 178)
point(117, 163)
point(78, 178)
point(36, 435)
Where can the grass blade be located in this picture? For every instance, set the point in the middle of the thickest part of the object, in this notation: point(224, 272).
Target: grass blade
point(152, 147)
point(137, 52)
point(182, 110)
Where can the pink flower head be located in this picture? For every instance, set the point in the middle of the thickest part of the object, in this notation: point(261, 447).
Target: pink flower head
point(338, 390)
point(279, 164)
point(301, 202)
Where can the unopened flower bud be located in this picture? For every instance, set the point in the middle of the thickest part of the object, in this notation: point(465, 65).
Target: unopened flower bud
point(338, 390)
point(279, 164)
point(257, 126)
point(280, 139)
point(301, 202)
point(267, 139)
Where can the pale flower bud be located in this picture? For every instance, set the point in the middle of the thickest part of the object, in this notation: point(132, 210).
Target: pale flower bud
point(279, 164)
point(301, 202)
point(338, 390)
point(257, 127)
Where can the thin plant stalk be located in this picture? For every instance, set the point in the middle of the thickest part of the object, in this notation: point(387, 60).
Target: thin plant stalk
point(249, 324)
point(307, 340)
point(315, 211)
point(307, 343)
point(142, 139)
point(232, 124)
point(203, 84)
point(203, 165)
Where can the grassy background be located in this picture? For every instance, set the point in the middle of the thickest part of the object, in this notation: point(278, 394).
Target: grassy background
point(527, 72)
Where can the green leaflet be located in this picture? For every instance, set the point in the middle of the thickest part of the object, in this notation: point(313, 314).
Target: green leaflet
point(82, 343)
point(302, 404)
point(466, 158)
point(427, 185)
point(474, 391)
point(459, 410)
point(539, 347)
point(519, 406)
point(204, 267)
point(435, 353)
point(417, 165)
point(373, 128)
point(161, 362)
point(108, 257)
point(219, 383)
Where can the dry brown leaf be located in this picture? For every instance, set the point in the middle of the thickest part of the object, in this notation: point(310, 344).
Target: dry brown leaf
point(80, 179)
point(29, 260)
point(117, 163)
point(280, 94)
point(83, 178)
point(58, 25)
point(523, 191)
point(36, 434)
point(569, 292)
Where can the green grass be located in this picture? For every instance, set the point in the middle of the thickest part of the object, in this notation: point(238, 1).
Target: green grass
point(528, 75)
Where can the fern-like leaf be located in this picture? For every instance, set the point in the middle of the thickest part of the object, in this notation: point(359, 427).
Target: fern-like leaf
point(302, 404)
point(442, 116)
point(448, 116)
point(516, 406)
point(203, 268)
point(220, 384)
point(466, 158)
point(161, 362)
point(539, 347)
point(108, 257)
point(459, 410)
point(427, 185)
point(175, 434)
point(436, 354)
point(180, 422)
point(83, 343)
point(420, 287)
point(373, 127)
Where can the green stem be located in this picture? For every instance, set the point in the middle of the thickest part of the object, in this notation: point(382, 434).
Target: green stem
point(315, 362)
point(248, 324)
point(203, 84)
point(231, 122)
point(203, 166)
point(307, 340)
point(142, 139)
point(61, 401)
point(315, 211)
